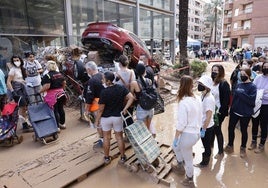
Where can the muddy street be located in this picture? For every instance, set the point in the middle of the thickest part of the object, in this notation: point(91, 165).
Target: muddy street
point(228, 171)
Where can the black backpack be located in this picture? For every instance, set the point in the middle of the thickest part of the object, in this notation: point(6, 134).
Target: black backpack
point(148, 96)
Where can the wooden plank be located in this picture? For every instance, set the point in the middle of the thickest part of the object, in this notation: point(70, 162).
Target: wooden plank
point(81, 169)
point(14, 181)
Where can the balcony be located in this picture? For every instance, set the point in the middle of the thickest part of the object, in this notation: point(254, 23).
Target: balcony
point(228, 6)
point(244, 15)
point(226, 33)
point(245, 2)
point(227, 20)
point(241, 31)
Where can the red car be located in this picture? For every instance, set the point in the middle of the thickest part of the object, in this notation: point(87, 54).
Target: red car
point(111, 41)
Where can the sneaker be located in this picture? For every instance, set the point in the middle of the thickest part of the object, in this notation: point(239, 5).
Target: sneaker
point(253, 145)
point(188, 182)
point(123, 159)
point(26, 128)
point(242, 152)
point(107, 160)
point(229, 149)
point(218, 156)
point(260, 149)
point(62, 126)
point(58, 130)
point(178, 167)
point(98, 144)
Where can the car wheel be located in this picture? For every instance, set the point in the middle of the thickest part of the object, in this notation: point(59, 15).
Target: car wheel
point(127, 51)
point(79, 70)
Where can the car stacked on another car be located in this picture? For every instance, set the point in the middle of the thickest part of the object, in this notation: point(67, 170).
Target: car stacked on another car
point(111, 41)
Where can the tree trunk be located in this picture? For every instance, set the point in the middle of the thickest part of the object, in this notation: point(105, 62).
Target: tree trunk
point(211, 33)
point(215, 31)
point(183, 33)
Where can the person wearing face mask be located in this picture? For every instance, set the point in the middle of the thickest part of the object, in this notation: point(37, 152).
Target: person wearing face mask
point(221, 92)
point(241, 110)
point(33, 80)
point(91, 94)
point(247, 64)
point(16, 85)
point(261, 82)
point(208, 107)
point(187, 130)
point(114, 99)
point(149, 70)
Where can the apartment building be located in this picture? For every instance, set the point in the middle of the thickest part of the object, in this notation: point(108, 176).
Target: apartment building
point(196, 19)
point(245, 22)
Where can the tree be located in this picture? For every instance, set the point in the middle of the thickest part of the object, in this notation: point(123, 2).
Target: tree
point(213, 19)
point(183, 33)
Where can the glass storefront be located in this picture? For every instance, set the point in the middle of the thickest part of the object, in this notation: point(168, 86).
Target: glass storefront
point(26, 25)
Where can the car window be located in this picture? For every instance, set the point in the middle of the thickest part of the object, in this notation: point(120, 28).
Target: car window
point(140, 42)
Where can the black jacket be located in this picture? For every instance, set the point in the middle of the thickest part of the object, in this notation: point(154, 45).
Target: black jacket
point(224, 92)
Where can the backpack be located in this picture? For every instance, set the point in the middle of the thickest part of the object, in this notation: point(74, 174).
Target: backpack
point(148, 95)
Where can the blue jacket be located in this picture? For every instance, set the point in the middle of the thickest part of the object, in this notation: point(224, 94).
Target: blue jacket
point(244, 99)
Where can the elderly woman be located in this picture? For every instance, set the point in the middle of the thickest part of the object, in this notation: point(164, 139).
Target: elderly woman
point(53, 83)
point(111, 104)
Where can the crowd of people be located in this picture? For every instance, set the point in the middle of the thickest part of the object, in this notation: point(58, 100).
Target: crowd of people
point(246, 99)
point(27, 80)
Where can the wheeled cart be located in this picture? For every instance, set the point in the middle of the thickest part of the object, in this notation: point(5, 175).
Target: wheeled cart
point(43, 121)
point(144, 145)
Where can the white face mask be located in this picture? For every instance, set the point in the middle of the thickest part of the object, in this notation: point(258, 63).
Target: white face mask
point(104, 85)
point(17, 63)
point(141, 62)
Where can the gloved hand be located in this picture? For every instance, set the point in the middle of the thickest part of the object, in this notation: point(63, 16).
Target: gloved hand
point(203, 133)
point(175, 142)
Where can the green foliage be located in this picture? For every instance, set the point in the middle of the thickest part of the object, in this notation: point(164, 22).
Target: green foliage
point(177, 66)
point(198, 67)
point(177, 73)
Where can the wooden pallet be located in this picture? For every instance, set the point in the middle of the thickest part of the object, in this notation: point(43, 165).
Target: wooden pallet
point(60, 168)
point(161, 172)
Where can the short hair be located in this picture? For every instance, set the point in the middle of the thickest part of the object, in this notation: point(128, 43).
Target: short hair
point(52, 65)
point(140, 69)
point(91, 65)
point(123, 60)
point(109, 76)
point(27, 54)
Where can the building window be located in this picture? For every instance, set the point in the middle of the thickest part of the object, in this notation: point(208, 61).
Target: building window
point(247, 24)
point(236, 12)
point(235, 26)
point(248, 8)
